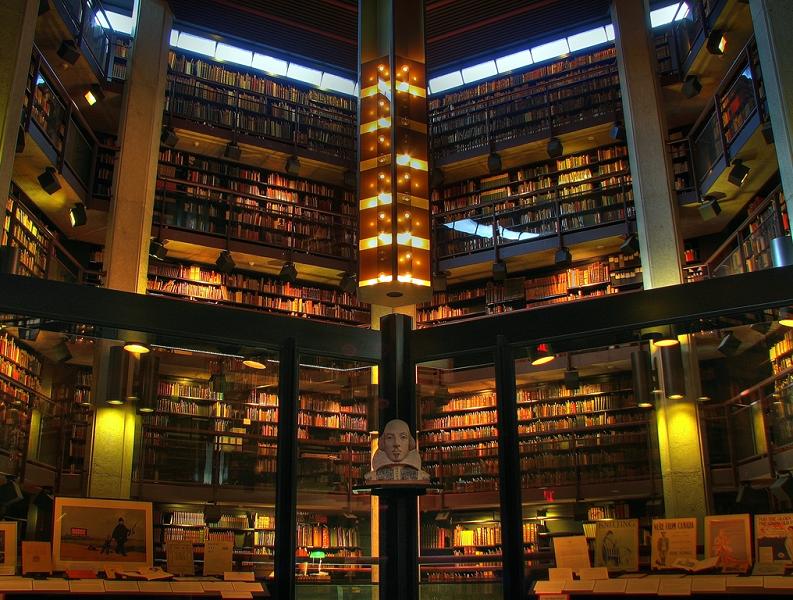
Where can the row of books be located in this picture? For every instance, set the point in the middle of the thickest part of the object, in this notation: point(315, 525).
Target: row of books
point(572, 407)
point(470, 469)
point(351, 437)
point(321, 535)
point(329, 403)
point(340, 421)
point(581, 421)
point(14, 353)
point(483, 417)
point(553, 391)
point(459, 451)
point(196, 391)
point(457, 435)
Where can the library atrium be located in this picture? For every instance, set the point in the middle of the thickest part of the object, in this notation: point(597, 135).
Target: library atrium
point(540, 249)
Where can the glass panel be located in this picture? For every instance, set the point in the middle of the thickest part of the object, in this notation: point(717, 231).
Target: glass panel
point(79, 153)
point(336, 534)
point(737, 104)
point(706, 147)
point(460, 523)
point(49, 113)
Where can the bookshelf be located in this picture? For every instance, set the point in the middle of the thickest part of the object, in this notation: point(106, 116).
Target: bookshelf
point(105, 164)
point(122, 45)
point(73, 395)
point(225, 198)
point(21, 229)
point(222, 97)
point(255, 291)
point(608, 275)
point(578, 191)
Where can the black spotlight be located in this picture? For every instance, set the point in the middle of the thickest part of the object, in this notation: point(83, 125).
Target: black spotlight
point(69, 51)
point(293, 165)
point(717, 42)
point(709, 208)
point(642, 378)
point(572, 381)
point(350, 179)
point(157, 249)
point(48, 180)
point(77, 215)
point(563, 257)
point(348, 283)
point(437, 178)
point(555, 148)
point(738, 173)
point(729, 345)
point(232, 151)
point(541, 354)
point(440, 281)
point(499, 270)
point(691, 86)
point(288, 272)
point(169, 137)
point(630, 245)
point(494, 162)
point(225, 262)
point(618, 132)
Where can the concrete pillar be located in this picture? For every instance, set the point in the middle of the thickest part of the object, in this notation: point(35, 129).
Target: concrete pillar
point(773, 20)
point(17, 27)
point(660, 241)
point(129, 228)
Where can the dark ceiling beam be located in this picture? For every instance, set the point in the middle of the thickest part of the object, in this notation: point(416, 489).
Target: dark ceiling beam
point(289, 22)
point(343, 5)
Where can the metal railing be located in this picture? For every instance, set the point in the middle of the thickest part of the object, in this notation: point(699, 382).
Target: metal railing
point(92, 32)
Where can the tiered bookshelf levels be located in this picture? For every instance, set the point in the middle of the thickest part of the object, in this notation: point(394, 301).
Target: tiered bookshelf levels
point(579, 191)
point(564, 95)
point(221, 198)
point(781, 356)
point(255, 291)
point(595, 434)
point(22, 230)
point(220, 96)
point(609, 275)
point(74, 396)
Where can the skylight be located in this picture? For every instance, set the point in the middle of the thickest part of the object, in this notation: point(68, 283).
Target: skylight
point(194, 43)
point(480, 71)
point(233, 54)
point(301, 73)
point(587, 39)
point(514, 61)
point(338, 84)
point(268, 64)
point(445, 82)
point(550, 50)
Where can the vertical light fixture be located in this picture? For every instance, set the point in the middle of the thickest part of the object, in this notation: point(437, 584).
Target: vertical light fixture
point(642, 378)
point(672, 366)
point(393, 179)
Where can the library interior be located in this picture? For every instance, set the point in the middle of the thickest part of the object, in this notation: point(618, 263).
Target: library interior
point(540, 248)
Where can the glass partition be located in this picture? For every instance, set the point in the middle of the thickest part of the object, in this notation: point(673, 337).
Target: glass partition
point(459, 517)
point(337, 528)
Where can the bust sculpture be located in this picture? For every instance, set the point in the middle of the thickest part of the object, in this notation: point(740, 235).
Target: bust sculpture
point(396, 458)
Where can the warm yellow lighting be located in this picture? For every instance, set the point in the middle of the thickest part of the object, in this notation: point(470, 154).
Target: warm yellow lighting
point(417, 91)
point(384, 122)
point(115, 402)
point(136, 348)
point(419, 165)
point(676, 397)
point(408, 239)
point(381, 68)
point(382, 199)
point(414, 280)
point(402, 86)
point(403, 160)
point(543, 360)
point(369, 127)
point(666, 342)
point(145, 409)
point(405, 68)
point(253, 363)
point(645, 404)
point(90, 98)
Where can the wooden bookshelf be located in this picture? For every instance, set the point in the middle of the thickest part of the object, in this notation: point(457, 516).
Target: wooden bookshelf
point(255, 291)
point(121, 49)
point(105, 165)
point(225, 198)
point(73, 395)
point(219, 96)
point(21, 229)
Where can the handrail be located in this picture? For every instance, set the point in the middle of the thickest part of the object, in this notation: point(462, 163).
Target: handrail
point(87, 18)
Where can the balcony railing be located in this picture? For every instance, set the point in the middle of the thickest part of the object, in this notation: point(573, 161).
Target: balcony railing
point(92, 32)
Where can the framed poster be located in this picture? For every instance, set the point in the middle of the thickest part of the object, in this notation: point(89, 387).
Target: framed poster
point(91, 532)
point(8, 547)
point(617, 544)
point(673, 540)
point(727, 537)
point(773, 538)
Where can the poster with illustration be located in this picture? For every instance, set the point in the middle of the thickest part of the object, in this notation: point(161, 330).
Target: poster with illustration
point(773, 538)
point(673, 539)
point(617, 544)
point(727, 537)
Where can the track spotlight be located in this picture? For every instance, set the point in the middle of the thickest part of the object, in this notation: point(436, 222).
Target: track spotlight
point(48, 180)
point(572, 381)
point(78, 215)
point(94, 94)
point(232, 151)
point(494, 162)
point(709, 208)
point(672, 362)
point(117, 383)
point(541, 354)
point(440, 281)
point(563, 257)
point(136, 348)
point(618, 132)
point(348, 283)
point(157, 249)
point(661, 336)
point(169, 137)
point(691, 86)
point(225, 262)
point(729, 345)
point(293, 165)
point(69, 51)
point(288, 272)
point(555, 148)
point(437, 177)
point(738, 173)
point(147, 384)
point(630, 245)
point(717, 42)
point(499, 270)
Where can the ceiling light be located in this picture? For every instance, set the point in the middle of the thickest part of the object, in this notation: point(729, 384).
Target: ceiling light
point(499, 270)
point(254, 362)
point(541, 354)
point(78, 215)
point(136, 348)
point(48, 180)
point(94, 94)
point(691, 86)
point(494, 162)
point(704, 398)
point(641, 378)
point(349, 283)
point(717, 42)
point(563, 257)
point(225, 262)
point(69, 51)
point(785, 317)
point(157, 249)
point(729, 345)
point(672, 363)
point(288, 272)
point(232, 151)
point(630, 245)
point(293, 165)
point(709, 208)
point(618, 132)
point(555, 148)
point(169, 137)
point(738, 173)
